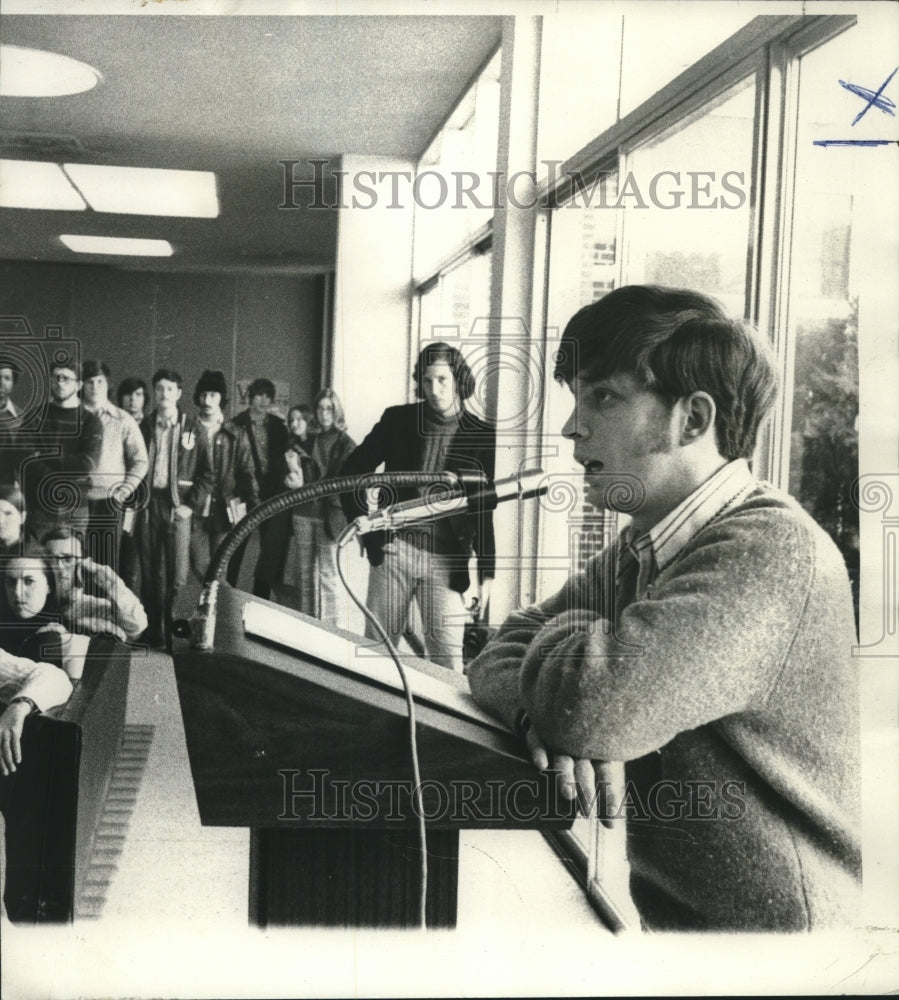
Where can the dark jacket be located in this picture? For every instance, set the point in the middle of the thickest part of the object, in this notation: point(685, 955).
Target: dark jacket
point(275, 545)
point(271, 483)
point(224, 472)
point(182, 458)
point(11, 454)
point(397, 439)
point(68, 447)
point(330, 450)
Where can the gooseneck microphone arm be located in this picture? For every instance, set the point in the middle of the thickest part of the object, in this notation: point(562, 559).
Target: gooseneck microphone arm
point(203, 622)
point(476, 496)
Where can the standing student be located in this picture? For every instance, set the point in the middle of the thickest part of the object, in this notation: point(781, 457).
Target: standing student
point(163, 528)
point(57, 477)
point(12, 519)
point(225, 487)
point(10, 423)
point(120, 470)
point(288, 559)
point(331, 448)
point(132, 397)
point(429, 563)
point(718, 665)
point(267, 437)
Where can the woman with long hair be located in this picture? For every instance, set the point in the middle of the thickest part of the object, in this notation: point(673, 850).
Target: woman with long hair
point(29, 607)
point(331, 449)
point(35, 650)
point(287, 559)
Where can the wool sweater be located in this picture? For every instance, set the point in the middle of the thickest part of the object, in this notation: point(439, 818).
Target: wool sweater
point(123, 454)
point(734, 670)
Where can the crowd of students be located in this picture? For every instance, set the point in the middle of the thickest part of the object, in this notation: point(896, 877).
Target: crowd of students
point(152, 489)
point(106, 507)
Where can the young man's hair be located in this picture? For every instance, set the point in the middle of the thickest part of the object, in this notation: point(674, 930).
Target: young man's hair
point(128, 386)
point(12, 494)
point(305, 409)
point(261, 387)
point(62, 361)
point(61, 533)
point(339, 417)
point(13, 367)
point(169, 374)
point(91, 369)
point(440, 352)
point(676, 342)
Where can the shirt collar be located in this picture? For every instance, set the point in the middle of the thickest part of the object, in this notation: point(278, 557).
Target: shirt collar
point(671, 534)
point(10, 408)
point(163, 422)
point(105, 407)
point(213, 426)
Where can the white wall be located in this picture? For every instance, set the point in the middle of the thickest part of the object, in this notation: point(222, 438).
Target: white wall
point(372, 294)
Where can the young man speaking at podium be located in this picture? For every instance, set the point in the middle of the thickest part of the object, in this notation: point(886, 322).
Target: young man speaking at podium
point(709, 649)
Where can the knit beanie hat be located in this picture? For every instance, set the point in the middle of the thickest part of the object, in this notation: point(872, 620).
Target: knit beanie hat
point(212, 381)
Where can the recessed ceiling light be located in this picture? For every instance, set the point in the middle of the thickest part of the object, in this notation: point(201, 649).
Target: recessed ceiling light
point(31, 184)
point(35, 73)
point(118, 245)
point(146, 190)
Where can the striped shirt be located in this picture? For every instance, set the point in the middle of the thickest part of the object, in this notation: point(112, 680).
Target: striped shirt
point(656, 548)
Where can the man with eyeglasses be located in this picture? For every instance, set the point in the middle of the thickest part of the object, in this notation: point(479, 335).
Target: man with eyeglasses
point(94, 600)
point(57, 477)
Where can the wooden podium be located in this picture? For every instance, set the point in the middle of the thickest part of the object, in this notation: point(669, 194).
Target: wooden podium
point(313, 756)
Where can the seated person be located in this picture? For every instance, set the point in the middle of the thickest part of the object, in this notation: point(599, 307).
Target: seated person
point(93, 599)
point(26, 686)
point(710, 648)
point(29, 607)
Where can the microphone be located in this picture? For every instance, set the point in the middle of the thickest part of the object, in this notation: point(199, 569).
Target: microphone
point(477, 497)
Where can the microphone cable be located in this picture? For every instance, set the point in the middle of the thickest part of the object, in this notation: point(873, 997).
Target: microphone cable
point(417, 801)
point(202, 625)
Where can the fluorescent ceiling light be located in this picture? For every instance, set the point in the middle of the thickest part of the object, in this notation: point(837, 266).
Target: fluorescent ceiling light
point(29, 184)
point(146, 191)
point(34, 73)
point(118, 245)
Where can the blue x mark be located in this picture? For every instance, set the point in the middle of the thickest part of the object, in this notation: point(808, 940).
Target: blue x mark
point(873, 98)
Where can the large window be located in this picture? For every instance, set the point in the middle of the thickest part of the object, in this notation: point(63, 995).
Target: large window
point(820, 452)
point(687, 221)
point(583, 266)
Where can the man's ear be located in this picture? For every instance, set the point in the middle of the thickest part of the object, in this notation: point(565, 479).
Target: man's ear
point(699, 416)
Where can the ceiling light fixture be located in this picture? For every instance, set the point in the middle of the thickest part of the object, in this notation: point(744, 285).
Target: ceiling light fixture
point(30, 184)
point(146, 190)
point(35, 73)
point(118, 245)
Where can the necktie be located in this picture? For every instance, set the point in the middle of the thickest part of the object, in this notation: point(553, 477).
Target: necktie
point(626, 579)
